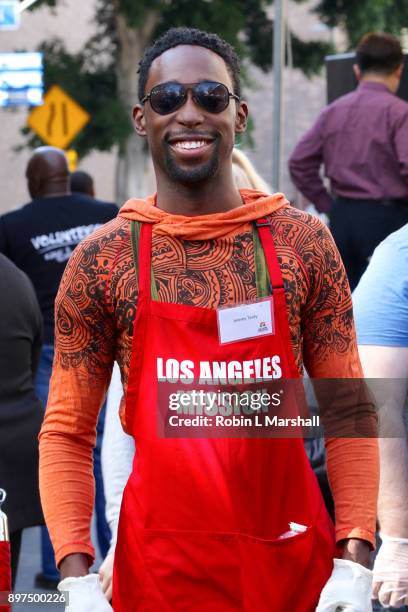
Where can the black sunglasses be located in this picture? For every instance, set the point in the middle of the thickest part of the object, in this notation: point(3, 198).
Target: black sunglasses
point(168, 97)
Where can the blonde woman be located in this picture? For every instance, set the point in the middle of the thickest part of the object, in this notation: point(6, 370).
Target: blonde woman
point(245, 175)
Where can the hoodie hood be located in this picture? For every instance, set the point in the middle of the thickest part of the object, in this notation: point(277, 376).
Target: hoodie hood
point(204, 227)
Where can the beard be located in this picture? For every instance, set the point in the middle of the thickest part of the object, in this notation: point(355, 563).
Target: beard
point(191, 176)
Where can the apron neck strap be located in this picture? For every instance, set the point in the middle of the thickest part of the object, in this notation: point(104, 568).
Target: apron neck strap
point(141, 237)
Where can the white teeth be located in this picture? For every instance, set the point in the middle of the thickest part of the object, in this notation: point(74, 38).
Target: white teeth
point(190, 144)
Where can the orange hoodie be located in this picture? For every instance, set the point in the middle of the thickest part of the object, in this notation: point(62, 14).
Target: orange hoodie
point(205, 261)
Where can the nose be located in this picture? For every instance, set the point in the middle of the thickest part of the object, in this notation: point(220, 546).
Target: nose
point(190, 114)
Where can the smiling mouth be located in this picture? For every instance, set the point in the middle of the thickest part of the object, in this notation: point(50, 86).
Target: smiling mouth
point(190, 144)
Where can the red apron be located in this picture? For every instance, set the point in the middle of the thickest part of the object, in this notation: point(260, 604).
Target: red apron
point(201, 518)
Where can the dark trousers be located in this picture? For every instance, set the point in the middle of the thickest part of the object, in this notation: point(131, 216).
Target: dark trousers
point(358, 226)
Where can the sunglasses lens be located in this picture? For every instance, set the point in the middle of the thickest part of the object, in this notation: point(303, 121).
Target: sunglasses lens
point(213, 97)
point(166, 98)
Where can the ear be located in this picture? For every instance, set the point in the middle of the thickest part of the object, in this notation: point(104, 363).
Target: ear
point(357, 71)
point(399, 71)
point(241, 118)
point(34, 186)
point(139, 121)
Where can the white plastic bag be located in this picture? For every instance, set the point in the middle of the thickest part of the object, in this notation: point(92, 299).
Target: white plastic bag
point(348, 588)
point(85, 594)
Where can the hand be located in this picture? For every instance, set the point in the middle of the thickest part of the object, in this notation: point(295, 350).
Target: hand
point(85, 594)
point(357, 551)
point(73, 566)
point(348, 588)
point(105, 575)
point(391, 572)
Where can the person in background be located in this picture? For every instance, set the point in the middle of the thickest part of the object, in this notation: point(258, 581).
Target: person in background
point(361, 138)
point(21, 413)
point(118, 450)
point(82, 182)
point(381, 315)
point(40, 238)
point(245, 175)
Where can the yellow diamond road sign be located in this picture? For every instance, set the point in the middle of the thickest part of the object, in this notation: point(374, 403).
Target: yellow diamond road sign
point(59, 119)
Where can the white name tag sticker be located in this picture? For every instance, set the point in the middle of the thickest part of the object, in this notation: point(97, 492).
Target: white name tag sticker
point(245, 321)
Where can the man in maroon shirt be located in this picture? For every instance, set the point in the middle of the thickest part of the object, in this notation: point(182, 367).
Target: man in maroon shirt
point(362, 140)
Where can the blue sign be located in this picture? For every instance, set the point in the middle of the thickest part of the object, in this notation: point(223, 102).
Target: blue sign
point(21, 79)
point(9, 15)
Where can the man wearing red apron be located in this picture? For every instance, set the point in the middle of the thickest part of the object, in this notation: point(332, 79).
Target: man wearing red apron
point(202, 518)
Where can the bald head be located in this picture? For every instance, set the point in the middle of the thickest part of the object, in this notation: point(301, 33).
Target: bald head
point(47, 173)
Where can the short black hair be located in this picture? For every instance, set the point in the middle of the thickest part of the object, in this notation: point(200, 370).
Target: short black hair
point(189, 36)
point(82, 182)
point(379, 52)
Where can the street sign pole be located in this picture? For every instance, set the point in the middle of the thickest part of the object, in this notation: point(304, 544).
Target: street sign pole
point(278, 65)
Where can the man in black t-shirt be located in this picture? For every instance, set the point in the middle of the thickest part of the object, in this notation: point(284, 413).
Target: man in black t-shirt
point(39, 238)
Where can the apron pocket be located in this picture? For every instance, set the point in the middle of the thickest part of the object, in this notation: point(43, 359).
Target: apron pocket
point(199, 571)
point(192, 571)
point(274, 573)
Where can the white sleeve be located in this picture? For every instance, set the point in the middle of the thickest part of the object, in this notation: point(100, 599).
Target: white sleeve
point(118, 450)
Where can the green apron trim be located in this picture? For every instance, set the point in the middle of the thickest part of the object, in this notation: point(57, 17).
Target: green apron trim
point(135, 236)
point(263, 283)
